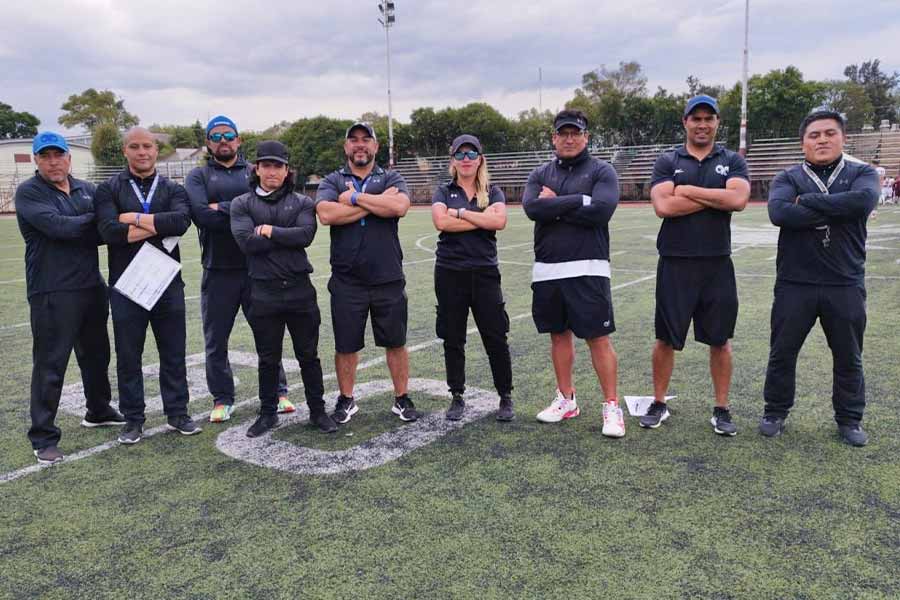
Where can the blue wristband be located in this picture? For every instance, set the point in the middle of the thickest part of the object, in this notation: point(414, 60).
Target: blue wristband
point(353, 198)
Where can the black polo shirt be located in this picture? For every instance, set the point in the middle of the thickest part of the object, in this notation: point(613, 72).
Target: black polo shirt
point(463, 250)
point(366, 252)
point(60, 235)
point(707, 232)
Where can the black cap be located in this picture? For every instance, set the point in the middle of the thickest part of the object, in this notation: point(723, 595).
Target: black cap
point(272, 150)
point(464, 139)
point(569, 120)
point(362, 125)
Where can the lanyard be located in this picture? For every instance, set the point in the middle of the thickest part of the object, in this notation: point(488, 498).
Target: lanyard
point(361, 188)
point(823, 187)
point(145, 202)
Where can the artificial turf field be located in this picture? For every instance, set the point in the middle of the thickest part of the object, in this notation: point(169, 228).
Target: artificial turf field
point(487, 510)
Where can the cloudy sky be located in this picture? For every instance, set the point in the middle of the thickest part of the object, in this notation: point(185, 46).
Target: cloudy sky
point(174, 62)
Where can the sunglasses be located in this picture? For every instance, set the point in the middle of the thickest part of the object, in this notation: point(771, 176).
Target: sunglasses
point(470, 154)
point(228, 136)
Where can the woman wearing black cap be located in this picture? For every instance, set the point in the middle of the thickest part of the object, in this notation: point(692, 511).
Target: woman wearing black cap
point(468, 211)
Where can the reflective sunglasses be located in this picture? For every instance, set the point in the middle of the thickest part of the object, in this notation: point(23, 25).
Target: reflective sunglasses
point(228, 136)
point(470, 154)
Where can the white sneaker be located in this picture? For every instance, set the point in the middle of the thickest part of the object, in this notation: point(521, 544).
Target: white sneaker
point(613, 422)
point(561, 408)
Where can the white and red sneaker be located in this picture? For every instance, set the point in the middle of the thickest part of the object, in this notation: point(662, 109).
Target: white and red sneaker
point(560, 409)
point(613, 421)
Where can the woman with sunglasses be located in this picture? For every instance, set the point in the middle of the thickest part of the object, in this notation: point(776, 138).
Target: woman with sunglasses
point(468, 212)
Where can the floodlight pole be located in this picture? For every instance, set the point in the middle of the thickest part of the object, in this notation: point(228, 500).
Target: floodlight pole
point(742, 149)
point(386, 7)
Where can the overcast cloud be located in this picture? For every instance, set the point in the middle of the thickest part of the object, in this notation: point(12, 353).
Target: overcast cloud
point(175, 62)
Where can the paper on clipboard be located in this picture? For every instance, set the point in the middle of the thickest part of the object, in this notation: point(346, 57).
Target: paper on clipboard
point(638, 405)
point(147, 276)
point(170, 242)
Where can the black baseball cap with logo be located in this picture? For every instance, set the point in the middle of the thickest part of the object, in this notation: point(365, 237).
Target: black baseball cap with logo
point(362, 125)
point(564, 120)
point(272, 150)
point(463, 140)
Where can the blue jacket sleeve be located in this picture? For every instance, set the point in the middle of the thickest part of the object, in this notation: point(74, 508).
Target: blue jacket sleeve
point(783, 212)
point(242, 228)
point(201, 213)
point(107, 214)
point(854, 204)
point(42, 214)
point(301, 234)
point(604, 200)
point(546, 209)
point(177, 219)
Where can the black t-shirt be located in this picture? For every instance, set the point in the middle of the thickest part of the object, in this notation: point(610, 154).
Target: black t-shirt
point(463, 250)
point(707, 232)
point(366, 252)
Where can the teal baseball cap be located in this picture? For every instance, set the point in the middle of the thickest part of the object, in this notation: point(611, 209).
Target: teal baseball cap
point(48, 139)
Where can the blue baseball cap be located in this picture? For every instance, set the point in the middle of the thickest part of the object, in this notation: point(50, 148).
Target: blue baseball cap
point(700, 100)
point(48, 139)
point(220, 120)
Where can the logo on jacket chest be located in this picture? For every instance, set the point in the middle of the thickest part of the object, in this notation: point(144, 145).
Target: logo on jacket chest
point(722, 170)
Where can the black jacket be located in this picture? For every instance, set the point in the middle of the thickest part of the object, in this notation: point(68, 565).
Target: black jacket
point(293, 219)
point(169, 207)
point(214, 183)
point(60, 235)
point(823, 236)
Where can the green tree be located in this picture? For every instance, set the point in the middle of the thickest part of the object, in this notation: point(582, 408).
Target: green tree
point(90, 108)
point(852, 101)
point(628, 80)
point(432, 131)
point(14, 125)
point(531, 131)
point(315, 145)
point(880, 87)
point(106, 145)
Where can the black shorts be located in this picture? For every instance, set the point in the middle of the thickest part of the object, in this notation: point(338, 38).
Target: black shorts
point(580, 304)
point(700, 289)
point(350, 307)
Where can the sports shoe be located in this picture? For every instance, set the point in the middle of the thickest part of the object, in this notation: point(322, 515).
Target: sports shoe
point(457, 406)
point(721, 422)
point(131, 433)
point(505, 412)
point(561, 408)
point(107, 419)
point(285, 405)
point(321, 420)
point(345, 408)
point(771, 426)
point(48, 455)
point(262, 424)
point(656, 414)
point(853, 434)
point(221, 413)
point(613, 421)
point(183, 425)
point(405, 409)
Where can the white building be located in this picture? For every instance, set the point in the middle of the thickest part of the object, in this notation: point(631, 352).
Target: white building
point(17, 164)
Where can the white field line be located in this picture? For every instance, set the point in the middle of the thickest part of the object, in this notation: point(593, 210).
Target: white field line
point(19, 473)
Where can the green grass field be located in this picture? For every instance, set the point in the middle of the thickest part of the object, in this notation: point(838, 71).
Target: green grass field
point(488, 510)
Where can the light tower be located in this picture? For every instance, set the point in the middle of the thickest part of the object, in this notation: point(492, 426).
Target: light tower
point(387, 19)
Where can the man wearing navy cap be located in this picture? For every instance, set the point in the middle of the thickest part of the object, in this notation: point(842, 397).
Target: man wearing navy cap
point(362, 204)
point(66, 293)
point(225, 286)
point(694, 189)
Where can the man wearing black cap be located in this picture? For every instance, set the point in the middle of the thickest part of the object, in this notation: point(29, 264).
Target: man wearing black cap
point(273, 225)
point(135, 207)
point(66, 293)
point(363, 203)
point(225, 286)
point(571, 200)
point(695, 188)
point(821, 206)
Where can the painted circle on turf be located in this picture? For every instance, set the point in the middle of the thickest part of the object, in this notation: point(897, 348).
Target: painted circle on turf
point(265, 451)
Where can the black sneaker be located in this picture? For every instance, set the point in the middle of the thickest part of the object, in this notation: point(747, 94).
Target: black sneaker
point(345, 408)
point(457, 406)
point(853, 435)
point(771, 426)
point(131, 433)
point(404, 408)
point(183, 425)
point(323, 421)
point(656, 414)
point(505, 412)
point(262, 424)
point(48, 455)
point(107, 419)
point(721, 421)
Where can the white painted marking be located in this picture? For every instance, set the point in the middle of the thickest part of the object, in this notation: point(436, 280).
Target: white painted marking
point(618, 253)
point(773, 257)
point(515, 246)
point(512, 262)
point(8, 281)
point(422, 239)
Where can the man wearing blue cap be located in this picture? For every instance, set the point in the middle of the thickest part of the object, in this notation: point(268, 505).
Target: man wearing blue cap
point(694, 189)
point(225, 286)
point(66, 293)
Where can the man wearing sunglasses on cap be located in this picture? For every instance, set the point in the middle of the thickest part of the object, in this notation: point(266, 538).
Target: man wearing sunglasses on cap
point(362, 204)
point(571, 200)
point(225, 286)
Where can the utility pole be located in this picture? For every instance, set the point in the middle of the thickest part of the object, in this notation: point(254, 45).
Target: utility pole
point(387, 20)
point(742, 149)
